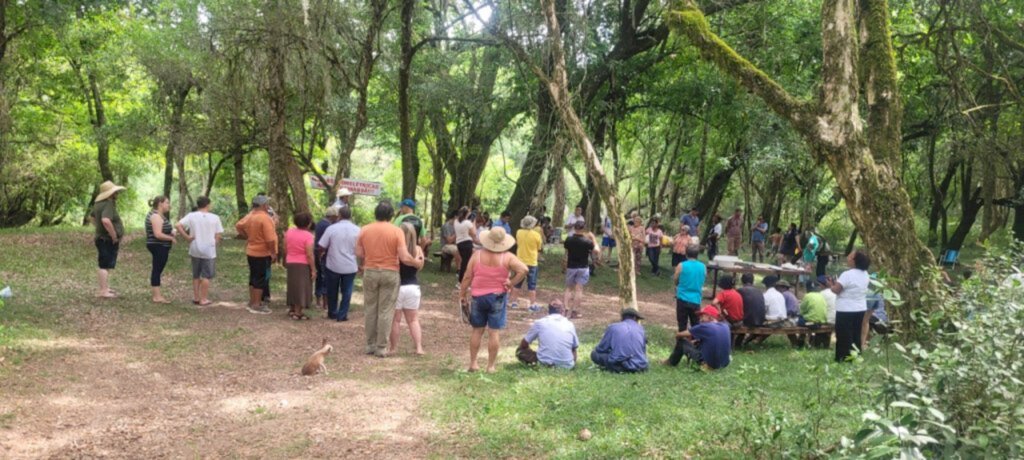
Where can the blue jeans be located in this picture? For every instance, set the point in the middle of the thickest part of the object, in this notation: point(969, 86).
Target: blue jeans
point(488, 311)
point(531, 279)
point(336, 282)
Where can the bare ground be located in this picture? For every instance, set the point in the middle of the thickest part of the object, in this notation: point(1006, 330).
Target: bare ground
point(131, 379)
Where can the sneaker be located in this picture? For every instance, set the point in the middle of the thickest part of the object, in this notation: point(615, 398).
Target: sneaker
point(534, 308)
point(261, 310)
point(513, 305)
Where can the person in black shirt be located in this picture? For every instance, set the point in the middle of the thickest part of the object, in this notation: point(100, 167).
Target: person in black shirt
point(790, 245)
point(578, 248)
point(753, 304)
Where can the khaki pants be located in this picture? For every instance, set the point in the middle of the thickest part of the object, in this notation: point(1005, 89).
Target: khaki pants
point(380, 294)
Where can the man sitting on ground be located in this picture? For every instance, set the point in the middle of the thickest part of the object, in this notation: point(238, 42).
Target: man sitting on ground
point(624, 345)
point(707, 344)
point(557, 337)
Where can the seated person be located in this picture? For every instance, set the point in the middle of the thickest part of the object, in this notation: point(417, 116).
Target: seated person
point(557, 337)
point(707, 344)
point(774, 303)
point(729, 301)
point(813, 313)
point(792, 303)
point(624, 345)
point(753, 302)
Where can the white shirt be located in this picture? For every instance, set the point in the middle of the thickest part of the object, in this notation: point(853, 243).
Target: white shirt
point(571, 222)
point(717, 230)
point(204, 227)
point(855, 291)
point(462, 231)
point(830, 305)
point(774, 305)
point(558, 339)
point(340, 242)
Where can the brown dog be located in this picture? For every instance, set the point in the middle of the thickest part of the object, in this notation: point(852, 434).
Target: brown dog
point(315, 363)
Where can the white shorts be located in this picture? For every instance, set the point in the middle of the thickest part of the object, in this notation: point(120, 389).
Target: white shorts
point(408, 297)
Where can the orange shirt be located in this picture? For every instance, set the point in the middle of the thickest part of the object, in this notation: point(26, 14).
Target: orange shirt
point(258, 228)
point(380, 243)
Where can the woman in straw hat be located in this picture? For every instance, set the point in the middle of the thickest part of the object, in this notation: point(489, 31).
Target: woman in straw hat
point(487, 280)
point(109, 231)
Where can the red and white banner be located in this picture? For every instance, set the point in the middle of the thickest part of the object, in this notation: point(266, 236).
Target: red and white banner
point(359, 187)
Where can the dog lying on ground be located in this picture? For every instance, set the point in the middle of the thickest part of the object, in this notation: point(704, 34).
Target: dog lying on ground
point(315, 363)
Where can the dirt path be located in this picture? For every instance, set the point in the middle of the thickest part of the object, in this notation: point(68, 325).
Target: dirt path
point(135, 380)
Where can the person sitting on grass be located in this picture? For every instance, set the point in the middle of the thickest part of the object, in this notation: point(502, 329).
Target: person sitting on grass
point(557, 340)
point(707, 344)
point(729, 301)
point(623, 348)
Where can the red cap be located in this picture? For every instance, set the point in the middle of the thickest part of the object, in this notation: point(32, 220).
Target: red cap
point(710, 311)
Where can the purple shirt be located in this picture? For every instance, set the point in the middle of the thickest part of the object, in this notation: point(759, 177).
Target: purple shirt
point(626, 344)
point(792, 304)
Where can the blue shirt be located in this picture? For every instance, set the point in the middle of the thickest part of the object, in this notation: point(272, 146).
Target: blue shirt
point(715, 343)
point(759, 231)
point(557, 336)
point(506, 226)
point(318, 232)
point(626, 344)
point(692, 221)
point(340, 242)
point(691, 281)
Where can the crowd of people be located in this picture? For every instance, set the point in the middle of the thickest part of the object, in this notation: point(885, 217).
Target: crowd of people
point(496, 269)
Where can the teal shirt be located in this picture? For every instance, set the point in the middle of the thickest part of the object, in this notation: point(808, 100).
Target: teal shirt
point(691, 281)
point(811, 251)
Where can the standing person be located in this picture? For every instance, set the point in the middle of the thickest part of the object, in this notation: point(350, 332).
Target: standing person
point(691, 221)
point(714, 236)
point(300, 265)
point(260, 249)
point(734, 232)
point(623, 348)
point(339, 246)
point(638, 237)
point(708, 344)
point(344, 198)
point(689, 278)
point(679, 244)
point(481, 224)
point(851, 303)
point(381, 247)
point(408, 303)
point(505, 221)
point(465, 237)
point(776, 240)
point(407, 214)
point(654, 235)
point(529, 244)
point(159, 238)
point(809, 258)
point(758, 234)
point(570, 224)
point(203, 230)
point(557, 340)
point(578, 248)
point(608, 240)
point(790, 245)
point(487, 280)
point(320, 288)
point(109, 231)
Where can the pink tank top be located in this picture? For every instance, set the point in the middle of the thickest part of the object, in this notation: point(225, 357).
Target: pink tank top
point(489, 280)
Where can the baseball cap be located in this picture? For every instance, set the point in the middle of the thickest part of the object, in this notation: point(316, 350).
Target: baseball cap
point(408, 202)
point(710, 311)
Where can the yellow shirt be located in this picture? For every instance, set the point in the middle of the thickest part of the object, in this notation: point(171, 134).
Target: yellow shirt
point(529, 242)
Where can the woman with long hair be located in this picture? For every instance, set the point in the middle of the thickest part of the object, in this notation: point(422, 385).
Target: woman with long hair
point(408, 303)
point(159, 238)
point(300, 265)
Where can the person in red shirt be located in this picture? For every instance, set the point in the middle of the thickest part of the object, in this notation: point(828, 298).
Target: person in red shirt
point(729, 301)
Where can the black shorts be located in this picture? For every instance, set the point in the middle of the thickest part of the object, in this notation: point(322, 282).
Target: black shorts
point(107, 250)
point(258, 267)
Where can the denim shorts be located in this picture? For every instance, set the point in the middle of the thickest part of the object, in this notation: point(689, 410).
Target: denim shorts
point(488, 311)
point(574, 276)
point(531, 279)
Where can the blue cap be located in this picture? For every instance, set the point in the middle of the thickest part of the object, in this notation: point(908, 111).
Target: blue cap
point(408, 202)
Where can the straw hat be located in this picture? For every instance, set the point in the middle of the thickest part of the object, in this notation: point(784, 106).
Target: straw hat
point(344, 192)
point(107, 190)
point(528, 222)
point(496, 240)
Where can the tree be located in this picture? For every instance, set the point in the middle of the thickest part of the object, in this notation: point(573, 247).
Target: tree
point(863, 155)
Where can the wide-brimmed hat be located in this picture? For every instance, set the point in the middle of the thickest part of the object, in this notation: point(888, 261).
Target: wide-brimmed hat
point(631, 313)
point(107, 190)
point(332, 211)
point(528, 222)
point(782, 284)
point(496, 240)
point(344, 192)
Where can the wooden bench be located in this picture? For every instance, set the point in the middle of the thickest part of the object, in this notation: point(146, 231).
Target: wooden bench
point(821, 334)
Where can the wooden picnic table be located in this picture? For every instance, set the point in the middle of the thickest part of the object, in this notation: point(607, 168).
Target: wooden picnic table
point(739, 268)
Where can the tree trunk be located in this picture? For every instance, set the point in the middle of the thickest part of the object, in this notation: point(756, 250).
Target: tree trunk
point(410, 159)
point(99, 128)
point(178, 98)
point(238, 158)
point(541, 148)
point(968, 215)
point(835, 131)
point(278, 152)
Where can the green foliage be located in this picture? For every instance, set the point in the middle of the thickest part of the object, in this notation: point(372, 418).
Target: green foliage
point(959, 393)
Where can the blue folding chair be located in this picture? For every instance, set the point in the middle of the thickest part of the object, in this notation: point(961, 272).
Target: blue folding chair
point(949, 257)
